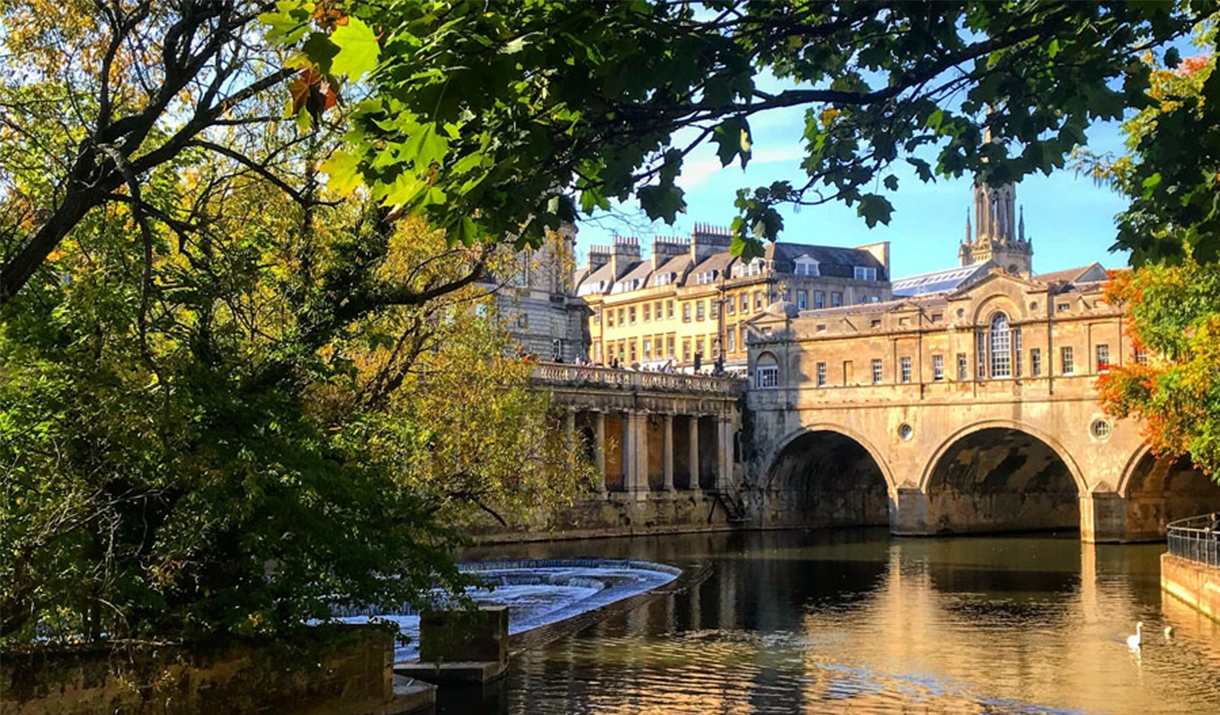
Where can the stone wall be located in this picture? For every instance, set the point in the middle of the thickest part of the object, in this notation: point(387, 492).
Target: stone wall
point(1196, 584)
point(613, 514)
point(347, 674)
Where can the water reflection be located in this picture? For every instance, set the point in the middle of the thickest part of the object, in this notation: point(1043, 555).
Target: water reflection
point(856, 622)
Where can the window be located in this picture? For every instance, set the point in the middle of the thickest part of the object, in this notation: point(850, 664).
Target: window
point(686, 312)
point(523, 321)
point(938, 367)
point(669, 309)
point(905, 364)
point(705, 277)
point(1016, 352)
point(631, 349)
point(753, 268)
point(1100, 429)
point(557, 350)
point(647, 312)
point(821, 372)
point(1035, 362)
point(980, 354)
point(836, 299)
point(963, 368)
point(821, 328)
point(631, 314)
point(647, 348)
point(865, 274)
point(732, 340)
point(597, 315)
point(686, 350)
point(669, 347)
point(1065, 361)
point(699, 348)
point(597, 352)
point(610, 318)
point(745, 302)
point(758, 300)
point(715, 308)
point(1062, 307)
point(874, 323)
point(715, 346)
point(767, 376)
point(877, 371)
point(699, 310)
point(802, 299)
point(937, 317)
point(622, 317)
point(806, 266)
point(730, 305)
point(819, 300)
point(656, 310)
point(1103, 358)
point(1141, 356)
point(999, 344)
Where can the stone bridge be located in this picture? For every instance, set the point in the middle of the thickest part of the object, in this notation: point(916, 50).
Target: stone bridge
point(971, 412)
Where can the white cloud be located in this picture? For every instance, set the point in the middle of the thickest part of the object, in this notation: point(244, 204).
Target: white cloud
point(696, 172)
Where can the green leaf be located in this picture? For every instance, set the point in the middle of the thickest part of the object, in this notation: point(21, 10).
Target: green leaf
point(320, 51)
point(891, 182)
point(343, 169)
point(874, 209)
point(358, 49)
point(732, 137)
point(662, 202)
point(425, 146)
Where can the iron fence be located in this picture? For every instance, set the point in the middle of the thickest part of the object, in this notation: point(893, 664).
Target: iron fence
point(1196, 539)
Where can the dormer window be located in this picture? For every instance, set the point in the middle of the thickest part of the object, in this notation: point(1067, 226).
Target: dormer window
point(663, 279)
point(753, 268)
point(865, 274)
point(805, 266)
point(705, 277)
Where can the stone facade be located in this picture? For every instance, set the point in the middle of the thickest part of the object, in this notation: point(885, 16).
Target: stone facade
point(688, 303)
point(973, 410)
point(538, 302)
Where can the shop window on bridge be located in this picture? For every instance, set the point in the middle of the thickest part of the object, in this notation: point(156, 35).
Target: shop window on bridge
point(938, 367)
point(821, 374)
point(963, 367)
point(1035, 362)
point(1066, 361)
point(766, 372)
point(905, 363)
point(877, 371)
point(1141, 356)
point(1016, 352)
point(1103, 358)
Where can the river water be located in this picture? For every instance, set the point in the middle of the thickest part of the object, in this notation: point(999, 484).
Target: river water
point(857, 622)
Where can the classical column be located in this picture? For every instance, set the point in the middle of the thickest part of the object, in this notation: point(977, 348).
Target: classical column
point(724, 455)
point(640, 457)
point(694, 452)
point(569, 428)
point(599, 450)
point(668, 427)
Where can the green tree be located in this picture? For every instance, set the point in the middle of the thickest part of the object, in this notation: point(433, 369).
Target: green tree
point(479, 113)
point(504, 118)
point(284, 407)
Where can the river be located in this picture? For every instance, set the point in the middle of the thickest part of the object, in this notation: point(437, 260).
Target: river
point(855, 621)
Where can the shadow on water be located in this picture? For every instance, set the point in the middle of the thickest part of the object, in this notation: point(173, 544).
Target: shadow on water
point(853, 621)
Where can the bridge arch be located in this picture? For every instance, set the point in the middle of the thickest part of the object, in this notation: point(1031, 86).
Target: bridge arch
point(1002, 475)
point(1160, 490)
point(826, 475)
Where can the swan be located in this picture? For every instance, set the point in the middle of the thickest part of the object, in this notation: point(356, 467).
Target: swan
point(1134, 641)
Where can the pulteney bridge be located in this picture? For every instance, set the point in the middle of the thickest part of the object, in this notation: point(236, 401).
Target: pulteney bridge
point(974, 411)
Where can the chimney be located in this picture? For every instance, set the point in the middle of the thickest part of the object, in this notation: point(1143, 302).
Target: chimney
point(624, 252)
point(598, 257)
point(667, 247)
point(880, 251)
point(707, 240)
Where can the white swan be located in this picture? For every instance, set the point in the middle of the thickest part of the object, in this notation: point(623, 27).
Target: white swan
point(1134, 641)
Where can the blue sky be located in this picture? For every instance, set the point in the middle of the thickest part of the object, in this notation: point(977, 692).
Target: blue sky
point(1070, 220)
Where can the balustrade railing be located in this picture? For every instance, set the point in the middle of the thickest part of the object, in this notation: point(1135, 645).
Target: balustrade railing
point(560, 373)
point(1196, 539)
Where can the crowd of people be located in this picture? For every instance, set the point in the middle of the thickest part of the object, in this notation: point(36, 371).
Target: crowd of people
point(668, 367)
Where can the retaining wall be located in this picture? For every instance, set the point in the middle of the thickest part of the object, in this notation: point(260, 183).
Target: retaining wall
point(1192, 582)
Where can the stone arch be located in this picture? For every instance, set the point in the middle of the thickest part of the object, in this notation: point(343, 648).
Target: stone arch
point(1157, 491)
point(998, 476)
point(822, 475)
point(996, 303)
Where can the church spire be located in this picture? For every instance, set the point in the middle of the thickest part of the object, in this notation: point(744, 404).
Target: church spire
point(969, 233)
point(1021, 226)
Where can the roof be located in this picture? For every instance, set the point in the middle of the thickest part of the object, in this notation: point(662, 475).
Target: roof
point(599, 281)
point(942, 281)
point(832, 260)
point(635, 278)
point(1091, 273)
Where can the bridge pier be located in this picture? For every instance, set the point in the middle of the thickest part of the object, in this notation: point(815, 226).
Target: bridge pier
point(908, 512)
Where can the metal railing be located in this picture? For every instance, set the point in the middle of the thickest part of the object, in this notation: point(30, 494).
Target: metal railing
point(1196, 539)
point(634, 379)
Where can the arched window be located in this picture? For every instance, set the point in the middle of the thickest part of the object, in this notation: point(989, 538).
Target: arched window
point(999, 345)
point(766, 372)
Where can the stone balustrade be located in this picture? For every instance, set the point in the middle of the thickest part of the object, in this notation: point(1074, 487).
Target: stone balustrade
point(559, 373)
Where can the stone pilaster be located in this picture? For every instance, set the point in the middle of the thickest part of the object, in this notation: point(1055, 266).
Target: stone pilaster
point(694, 452)
point(668, 427)
point(599, 450)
